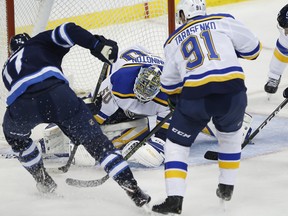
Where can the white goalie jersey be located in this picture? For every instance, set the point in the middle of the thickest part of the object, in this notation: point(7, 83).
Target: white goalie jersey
point(117, 90)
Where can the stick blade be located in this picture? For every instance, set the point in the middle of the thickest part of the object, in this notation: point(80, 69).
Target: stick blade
point(86, 183)
point(57, 170)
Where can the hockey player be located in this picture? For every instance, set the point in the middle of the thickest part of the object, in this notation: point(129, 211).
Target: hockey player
point(125, 101)
point(204, 79)
point(131, 93)
point(279, 59)
point(40, 93)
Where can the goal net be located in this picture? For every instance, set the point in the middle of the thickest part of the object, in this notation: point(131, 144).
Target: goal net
point(129, 22)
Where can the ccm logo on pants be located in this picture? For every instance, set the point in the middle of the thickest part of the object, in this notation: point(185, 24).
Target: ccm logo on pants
point(180, 133)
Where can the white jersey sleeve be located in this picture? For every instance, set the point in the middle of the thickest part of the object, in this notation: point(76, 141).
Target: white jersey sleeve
point(279, 59)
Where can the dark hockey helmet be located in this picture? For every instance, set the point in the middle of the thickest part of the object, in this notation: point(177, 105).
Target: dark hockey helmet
point(282, 17)
point(18, 41)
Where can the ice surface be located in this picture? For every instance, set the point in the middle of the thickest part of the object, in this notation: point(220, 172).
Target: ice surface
point(263, 177)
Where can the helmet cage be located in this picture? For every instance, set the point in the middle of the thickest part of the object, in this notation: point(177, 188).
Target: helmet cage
point(147, 83)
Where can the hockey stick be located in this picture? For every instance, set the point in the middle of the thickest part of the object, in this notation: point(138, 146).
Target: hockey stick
point(102, 76)
point(97, 182)
point(65, 168)
point(212, 155)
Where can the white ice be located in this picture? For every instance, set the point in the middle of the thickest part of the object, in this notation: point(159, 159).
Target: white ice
point(261, 187)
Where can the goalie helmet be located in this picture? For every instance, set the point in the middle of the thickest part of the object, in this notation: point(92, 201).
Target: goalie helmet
point(147, 83)
point(282, 17)
point(18, 41)
point(190, 9)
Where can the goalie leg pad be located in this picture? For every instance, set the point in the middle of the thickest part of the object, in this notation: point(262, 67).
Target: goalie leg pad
point(122, 133)
point(54, 141)
point(151, 154)
point(246, 127)
point(148, 156)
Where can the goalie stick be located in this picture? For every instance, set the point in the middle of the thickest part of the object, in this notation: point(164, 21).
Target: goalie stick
point(97, 182)
point(212, 155)
point(65, 168)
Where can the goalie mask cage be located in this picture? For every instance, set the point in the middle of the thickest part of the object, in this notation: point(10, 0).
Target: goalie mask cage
point(129, 22)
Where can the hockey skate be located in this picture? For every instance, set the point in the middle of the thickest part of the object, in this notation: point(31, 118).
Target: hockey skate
point(137, 195)
point(172, 204)
point(271, 86)
point(225, 192)
point(45, 184)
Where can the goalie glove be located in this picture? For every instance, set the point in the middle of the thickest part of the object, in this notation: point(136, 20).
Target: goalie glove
point(105, 50)
point(151, 154)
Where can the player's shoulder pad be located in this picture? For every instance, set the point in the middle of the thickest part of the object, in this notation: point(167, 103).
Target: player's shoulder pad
point(220, 15)
point(197, 20)
point(123, 81)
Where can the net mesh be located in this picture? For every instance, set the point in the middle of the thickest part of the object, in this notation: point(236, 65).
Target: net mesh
point(128, 22)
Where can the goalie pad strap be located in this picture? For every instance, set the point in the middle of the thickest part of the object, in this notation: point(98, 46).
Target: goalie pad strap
point(124, 125)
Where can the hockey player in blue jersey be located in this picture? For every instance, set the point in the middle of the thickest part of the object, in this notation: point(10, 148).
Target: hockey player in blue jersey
point(40, 93)
point(205, 81)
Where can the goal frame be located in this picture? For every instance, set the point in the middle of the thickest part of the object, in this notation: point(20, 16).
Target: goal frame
point(10, 17)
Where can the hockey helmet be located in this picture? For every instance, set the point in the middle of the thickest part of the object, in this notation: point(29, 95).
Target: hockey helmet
point(190, 9)
point(147, 83)
point(282, 19)
point(18, 41)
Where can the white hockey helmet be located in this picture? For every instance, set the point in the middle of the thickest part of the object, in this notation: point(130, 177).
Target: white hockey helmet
point(147, 84)
point(190, 9)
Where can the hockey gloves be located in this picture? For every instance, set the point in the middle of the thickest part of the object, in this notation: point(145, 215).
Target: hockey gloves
point(285, 93)
point(106, 50)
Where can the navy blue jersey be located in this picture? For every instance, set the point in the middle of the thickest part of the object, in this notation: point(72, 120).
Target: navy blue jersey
point(41, 57)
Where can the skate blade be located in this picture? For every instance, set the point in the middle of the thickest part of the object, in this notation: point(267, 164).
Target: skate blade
point(223, 205)
point(269, 97)
point(52, 195)
point(152, 213)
